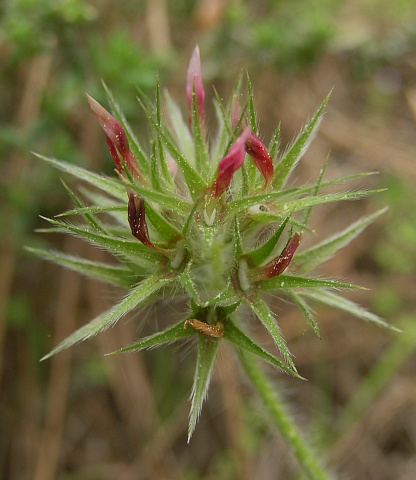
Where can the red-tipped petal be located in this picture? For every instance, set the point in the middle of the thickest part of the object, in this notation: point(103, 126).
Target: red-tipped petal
point(136, 215)
point(194, 82)
point(261, 157)
point(229, 165)
point(117, 141)
point(280, 263)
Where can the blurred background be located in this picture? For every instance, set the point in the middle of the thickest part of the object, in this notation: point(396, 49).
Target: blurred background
point(84, 416)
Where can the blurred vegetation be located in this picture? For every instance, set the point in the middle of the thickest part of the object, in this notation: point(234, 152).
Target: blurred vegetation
point(51, 53)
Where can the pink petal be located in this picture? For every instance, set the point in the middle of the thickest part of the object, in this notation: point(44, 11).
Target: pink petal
point(117, 141)
point(229, 165)
point(280, 263)
point(261, 157)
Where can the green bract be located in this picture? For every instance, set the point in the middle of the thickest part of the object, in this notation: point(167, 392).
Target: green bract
point(213, 221)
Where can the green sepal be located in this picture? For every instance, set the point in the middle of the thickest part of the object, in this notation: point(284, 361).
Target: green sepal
point(93, 209)
point(305, 309)
point(259, 255)
point(283, 206)
point(115, 245)
point(308, 259)
point(87, 215)
point(274, 143)
point(260, 308)
point(236, 336)
point(111, 186)
point(180, 128)
point(296, 150)
point(168, 232)
point(200, 148)
point(164, 200)
point(207, 350)
point(291, 281)
point(161, 152)
point(193, 180)
point(113, 274)
point(135, 298)
point(333, 300)
point(318, 185)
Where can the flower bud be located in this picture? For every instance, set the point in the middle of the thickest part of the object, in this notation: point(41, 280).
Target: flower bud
point(194, 82)
point(260, 156)
point(116, 139)
point(230, 164)
point(280, 263)
point(137, 220)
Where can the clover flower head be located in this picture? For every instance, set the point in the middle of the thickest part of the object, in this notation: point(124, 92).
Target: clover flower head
point(206, 220)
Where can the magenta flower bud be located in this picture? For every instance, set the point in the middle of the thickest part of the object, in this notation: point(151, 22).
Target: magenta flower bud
point(260, 156)
point(230, 164)
point(194, 82)
point(280, 263)
point(136, 215)
point(116, 139)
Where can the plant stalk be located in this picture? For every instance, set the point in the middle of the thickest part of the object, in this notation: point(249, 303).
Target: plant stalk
point(282, 419)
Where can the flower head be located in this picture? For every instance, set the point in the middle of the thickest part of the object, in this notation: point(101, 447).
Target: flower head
point(216, 263)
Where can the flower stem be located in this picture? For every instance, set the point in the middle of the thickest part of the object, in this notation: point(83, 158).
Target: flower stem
point(282, 419)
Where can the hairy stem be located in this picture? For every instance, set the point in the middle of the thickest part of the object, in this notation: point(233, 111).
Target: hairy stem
point(281, 418)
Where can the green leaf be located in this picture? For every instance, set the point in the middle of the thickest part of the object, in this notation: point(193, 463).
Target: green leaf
point(113, 274)
point(168, 335)
point(305, 309)
point(259, 255)
point(298, 148)
point(334, 300)
point(236, 336)
point(291, 281)
point(308, 259)
point(111, 186)
point(134, 144)
point(262, 311)
point(116, 245)
point(135, 298)
point(207, 350)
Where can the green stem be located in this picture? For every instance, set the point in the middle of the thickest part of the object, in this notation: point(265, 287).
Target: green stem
point(281, 418)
